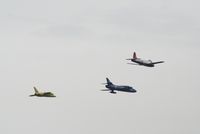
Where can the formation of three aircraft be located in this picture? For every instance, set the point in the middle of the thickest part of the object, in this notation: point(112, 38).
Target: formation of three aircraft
point(109, 85)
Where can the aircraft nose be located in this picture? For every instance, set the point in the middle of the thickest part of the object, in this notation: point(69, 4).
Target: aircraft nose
point(133, 90)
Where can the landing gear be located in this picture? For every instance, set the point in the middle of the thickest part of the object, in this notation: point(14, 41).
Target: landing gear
point(113, 92)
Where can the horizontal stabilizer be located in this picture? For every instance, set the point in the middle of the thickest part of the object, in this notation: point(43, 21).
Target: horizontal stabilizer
point(103, 83)
point(105, 90)
point(128, 59)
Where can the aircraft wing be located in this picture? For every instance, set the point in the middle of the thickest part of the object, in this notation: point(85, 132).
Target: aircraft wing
point(48, 93)
point(158, 62)
point(133, 63)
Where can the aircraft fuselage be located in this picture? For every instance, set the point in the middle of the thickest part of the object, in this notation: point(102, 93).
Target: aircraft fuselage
point(147, 63)
point(45, 94)
point(120, 88)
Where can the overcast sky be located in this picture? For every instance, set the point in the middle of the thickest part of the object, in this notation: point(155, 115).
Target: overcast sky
point(70, 47)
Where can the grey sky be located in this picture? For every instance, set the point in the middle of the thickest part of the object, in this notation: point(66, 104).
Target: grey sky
point(70, 47)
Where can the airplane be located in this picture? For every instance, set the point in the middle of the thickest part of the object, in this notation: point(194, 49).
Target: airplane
point(42, 94)
point(112, 87)
point(147, 63)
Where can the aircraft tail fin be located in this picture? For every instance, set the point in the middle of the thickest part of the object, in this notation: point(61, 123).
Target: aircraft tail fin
point(36, 91)
point(109, 82)
point(134, 55)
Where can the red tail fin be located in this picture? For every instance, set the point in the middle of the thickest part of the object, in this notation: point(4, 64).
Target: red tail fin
point(134, 56)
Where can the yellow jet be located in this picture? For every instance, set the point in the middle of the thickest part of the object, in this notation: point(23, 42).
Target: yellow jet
point(42, 94)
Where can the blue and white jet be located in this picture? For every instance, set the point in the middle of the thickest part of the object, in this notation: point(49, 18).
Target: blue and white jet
point(112, 87)
point(139, 61)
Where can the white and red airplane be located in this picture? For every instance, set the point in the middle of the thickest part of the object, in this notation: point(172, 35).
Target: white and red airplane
point(139, 61)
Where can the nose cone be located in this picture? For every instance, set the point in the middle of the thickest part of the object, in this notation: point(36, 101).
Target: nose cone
point(133, 90)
